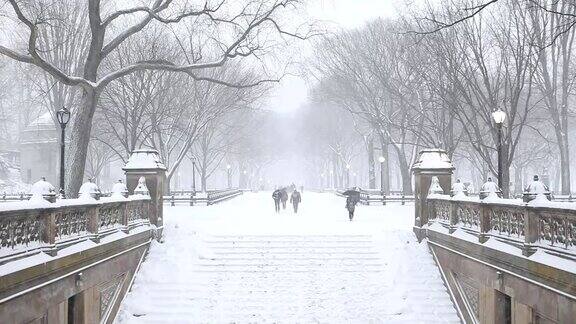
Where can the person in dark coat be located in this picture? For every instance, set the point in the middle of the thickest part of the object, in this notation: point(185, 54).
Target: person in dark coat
point(351, 202)
point(276, 195)
point(284, 197)
point(295, 199)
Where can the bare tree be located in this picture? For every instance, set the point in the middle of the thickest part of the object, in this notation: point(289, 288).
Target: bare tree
point(110, 27)
point(556, 72)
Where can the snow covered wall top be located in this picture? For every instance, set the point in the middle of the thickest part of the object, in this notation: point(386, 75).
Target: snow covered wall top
point(144, 159)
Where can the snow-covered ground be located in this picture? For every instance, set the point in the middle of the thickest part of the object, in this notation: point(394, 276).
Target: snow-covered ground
point(239, 262)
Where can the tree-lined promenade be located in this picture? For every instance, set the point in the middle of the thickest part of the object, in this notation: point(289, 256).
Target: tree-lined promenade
point(190, 79)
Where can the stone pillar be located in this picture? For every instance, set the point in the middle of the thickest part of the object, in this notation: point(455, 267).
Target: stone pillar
point(430, 163)
point(146, 163)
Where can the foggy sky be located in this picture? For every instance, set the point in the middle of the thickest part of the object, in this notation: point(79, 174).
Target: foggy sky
point(291, 93)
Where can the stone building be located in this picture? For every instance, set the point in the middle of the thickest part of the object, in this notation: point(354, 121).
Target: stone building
point(39, 150)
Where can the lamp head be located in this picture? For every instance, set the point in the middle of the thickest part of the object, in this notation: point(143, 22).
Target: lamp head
point(499, 116)
point(63, 116)
point(381, 159)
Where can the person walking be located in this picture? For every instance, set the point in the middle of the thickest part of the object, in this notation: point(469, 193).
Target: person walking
point(284, 197)
point(295, 199)
point(276, 195)
point(351, 202)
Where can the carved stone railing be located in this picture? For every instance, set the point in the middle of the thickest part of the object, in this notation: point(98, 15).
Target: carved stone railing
point(217, 196)
point(210, 197)
point(530, 226)
point(31, 227)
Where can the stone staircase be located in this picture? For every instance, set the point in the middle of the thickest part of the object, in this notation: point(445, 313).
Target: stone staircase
point(302, 279)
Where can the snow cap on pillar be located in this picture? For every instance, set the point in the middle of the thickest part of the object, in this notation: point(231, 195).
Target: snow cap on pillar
point(43, 190)
point(119, 189)
point(432, 160)
point(144, 159)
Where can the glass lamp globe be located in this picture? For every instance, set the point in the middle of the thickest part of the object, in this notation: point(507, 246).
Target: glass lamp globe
point(499, 116)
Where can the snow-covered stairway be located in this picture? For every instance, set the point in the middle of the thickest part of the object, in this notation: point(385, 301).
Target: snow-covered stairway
point(291, 270)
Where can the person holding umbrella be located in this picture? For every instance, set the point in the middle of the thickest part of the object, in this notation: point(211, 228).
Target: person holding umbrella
point(353, 197)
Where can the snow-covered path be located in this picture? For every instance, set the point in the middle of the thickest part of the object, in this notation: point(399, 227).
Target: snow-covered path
point(239, 262)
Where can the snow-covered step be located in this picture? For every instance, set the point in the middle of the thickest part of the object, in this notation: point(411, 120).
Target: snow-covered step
point(268, 268)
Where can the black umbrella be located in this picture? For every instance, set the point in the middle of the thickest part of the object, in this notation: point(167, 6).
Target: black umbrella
point(351, 192)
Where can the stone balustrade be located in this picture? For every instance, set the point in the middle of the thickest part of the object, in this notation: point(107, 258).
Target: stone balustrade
point(550, 226)
point(31, 227)
point(501, 259)
point(210, 197)
point(217, 196)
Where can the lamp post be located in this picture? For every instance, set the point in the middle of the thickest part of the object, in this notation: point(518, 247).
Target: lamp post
point(499, 117)
point(322, 181)
point(347, 175)
point(63, 116)
point(193, 176)
point(228, 167)
point(381, 159)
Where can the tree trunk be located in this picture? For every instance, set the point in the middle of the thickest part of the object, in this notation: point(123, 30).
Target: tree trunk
point(371, 171)
point(406, 176)
point(405, 171)
point(565, 165)
point(518, 185)
point(79, 140)
point(204, 178)
point(167, 188)
point(505, 186)
point(386, 165)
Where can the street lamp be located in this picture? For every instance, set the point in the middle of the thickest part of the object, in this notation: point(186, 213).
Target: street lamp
point(331, 179)
point(347, 175)
point(229, 176)
point(499, 117)
point(322, 181)
point(63, 116)
point(381, 159)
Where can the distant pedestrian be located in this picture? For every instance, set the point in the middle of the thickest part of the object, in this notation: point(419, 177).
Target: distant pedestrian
point(295, 199)
point(276, 195)
point(351, 202)
point(284, 197)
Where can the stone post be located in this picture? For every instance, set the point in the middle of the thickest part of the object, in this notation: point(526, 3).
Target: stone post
point(530, 231)
point(430, 163)
point(49, 235)
point(146, 163)
point(485, 225)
